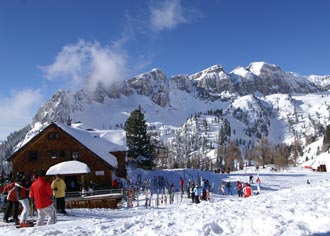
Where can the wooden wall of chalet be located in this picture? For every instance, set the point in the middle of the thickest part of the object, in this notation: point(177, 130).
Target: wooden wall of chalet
point(64, 146)
point(121, 158)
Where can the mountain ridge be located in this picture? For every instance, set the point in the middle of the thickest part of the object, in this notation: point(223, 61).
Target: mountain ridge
point(172, 101)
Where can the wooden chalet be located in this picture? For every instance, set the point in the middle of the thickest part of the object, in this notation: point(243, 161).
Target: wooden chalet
point(59, 143)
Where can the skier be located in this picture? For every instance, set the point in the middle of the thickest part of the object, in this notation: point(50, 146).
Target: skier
point(239, 189)
point(204, 187)
point(197, 192)
point(251, 179)
point(208, 195)
point(247, 190)
point(258, 185)
point(207, 189)
point(22, 193)
point(192, 191)
point(228, 186)
point(148, 195)
point(188, 189)
point(12, 202)
point(172, 193)
point(223, 188)
point(165, 195)
point(42, 192)
point(181, 185)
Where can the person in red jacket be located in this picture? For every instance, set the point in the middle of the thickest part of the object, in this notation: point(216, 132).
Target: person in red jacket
point(114, 183)
point(41, 192)
point(181, 185)
point(239, 187)
point(258, 185)
point(12, 202)
point(247, 190)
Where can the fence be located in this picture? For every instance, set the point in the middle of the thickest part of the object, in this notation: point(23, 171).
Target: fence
point(105, 198)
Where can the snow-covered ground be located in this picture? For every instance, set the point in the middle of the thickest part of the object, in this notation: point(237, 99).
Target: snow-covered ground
point(287, 205)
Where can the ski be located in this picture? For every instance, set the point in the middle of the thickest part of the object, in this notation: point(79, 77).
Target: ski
point(18, 226)
point(27, 224)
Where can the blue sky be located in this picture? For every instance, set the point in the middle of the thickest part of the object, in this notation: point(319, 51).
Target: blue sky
point(46, 45)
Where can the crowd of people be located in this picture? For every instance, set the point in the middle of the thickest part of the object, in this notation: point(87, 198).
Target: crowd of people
point(26, 195)
point(198, 192)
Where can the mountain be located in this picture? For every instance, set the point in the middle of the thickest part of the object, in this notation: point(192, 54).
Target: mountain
point(258, 100)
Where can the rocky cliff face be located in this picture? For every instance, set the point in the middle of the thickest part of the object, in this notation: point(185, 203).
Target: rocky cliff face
point(152, 84)
point(209, 84)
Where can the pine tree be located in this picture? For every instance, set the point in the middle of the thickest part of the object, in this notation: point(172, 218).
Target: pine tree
point(326, 139)
point(138, 141)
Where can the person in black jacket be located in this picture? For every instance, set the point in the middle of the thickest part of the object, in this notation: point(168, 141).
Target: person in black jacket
point(23, 198)
point(228, 187)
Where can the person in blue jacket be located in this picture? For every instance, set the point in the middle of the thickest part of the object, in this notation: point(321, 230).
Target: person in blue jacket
point(197, 191)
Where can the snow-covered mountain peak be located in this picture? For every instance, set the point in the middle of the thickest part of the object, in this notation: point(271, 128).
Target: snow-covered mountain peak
point(152, 84)
point(154, 74)
point(321, 81)
point(259, 68)
point(242, 72)
point(212, 71)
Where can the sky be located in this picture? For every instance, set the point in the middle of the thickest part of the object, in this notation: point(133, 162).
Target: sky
point(46, 45)
point(286, 205)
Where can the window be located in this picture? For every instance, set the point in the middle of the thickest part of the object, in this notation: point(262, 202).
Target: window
point(53, 154)
point(56, 154)
point(75, 155)
point(53, 136)
point(33, 156)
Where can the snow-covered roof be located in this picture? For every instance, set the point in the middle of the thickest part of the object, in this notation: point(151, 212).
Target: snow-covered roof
point(94, 142)
point(68, 167)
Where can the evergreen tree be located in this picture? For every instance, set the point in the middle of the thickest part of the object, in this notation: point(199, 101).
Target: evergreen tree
point(326, 139)
point(138, 141)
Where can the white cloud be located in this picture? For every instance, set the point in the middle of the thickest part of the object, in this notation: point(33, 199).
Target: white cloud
point(17, 110)
point(86, 64)
point(169, 14)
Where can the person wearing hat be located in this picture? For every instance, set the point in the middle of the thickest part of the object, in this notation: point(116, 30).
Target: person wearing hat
point(41, 192)
point(22, 193)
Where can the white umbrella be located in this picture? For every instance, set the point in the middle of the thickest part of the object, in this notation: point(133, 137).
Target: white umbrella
point(68, 167)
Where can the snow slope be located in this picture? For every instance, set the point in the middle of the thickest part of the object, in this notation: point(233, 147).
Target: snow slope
point(287, 205)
